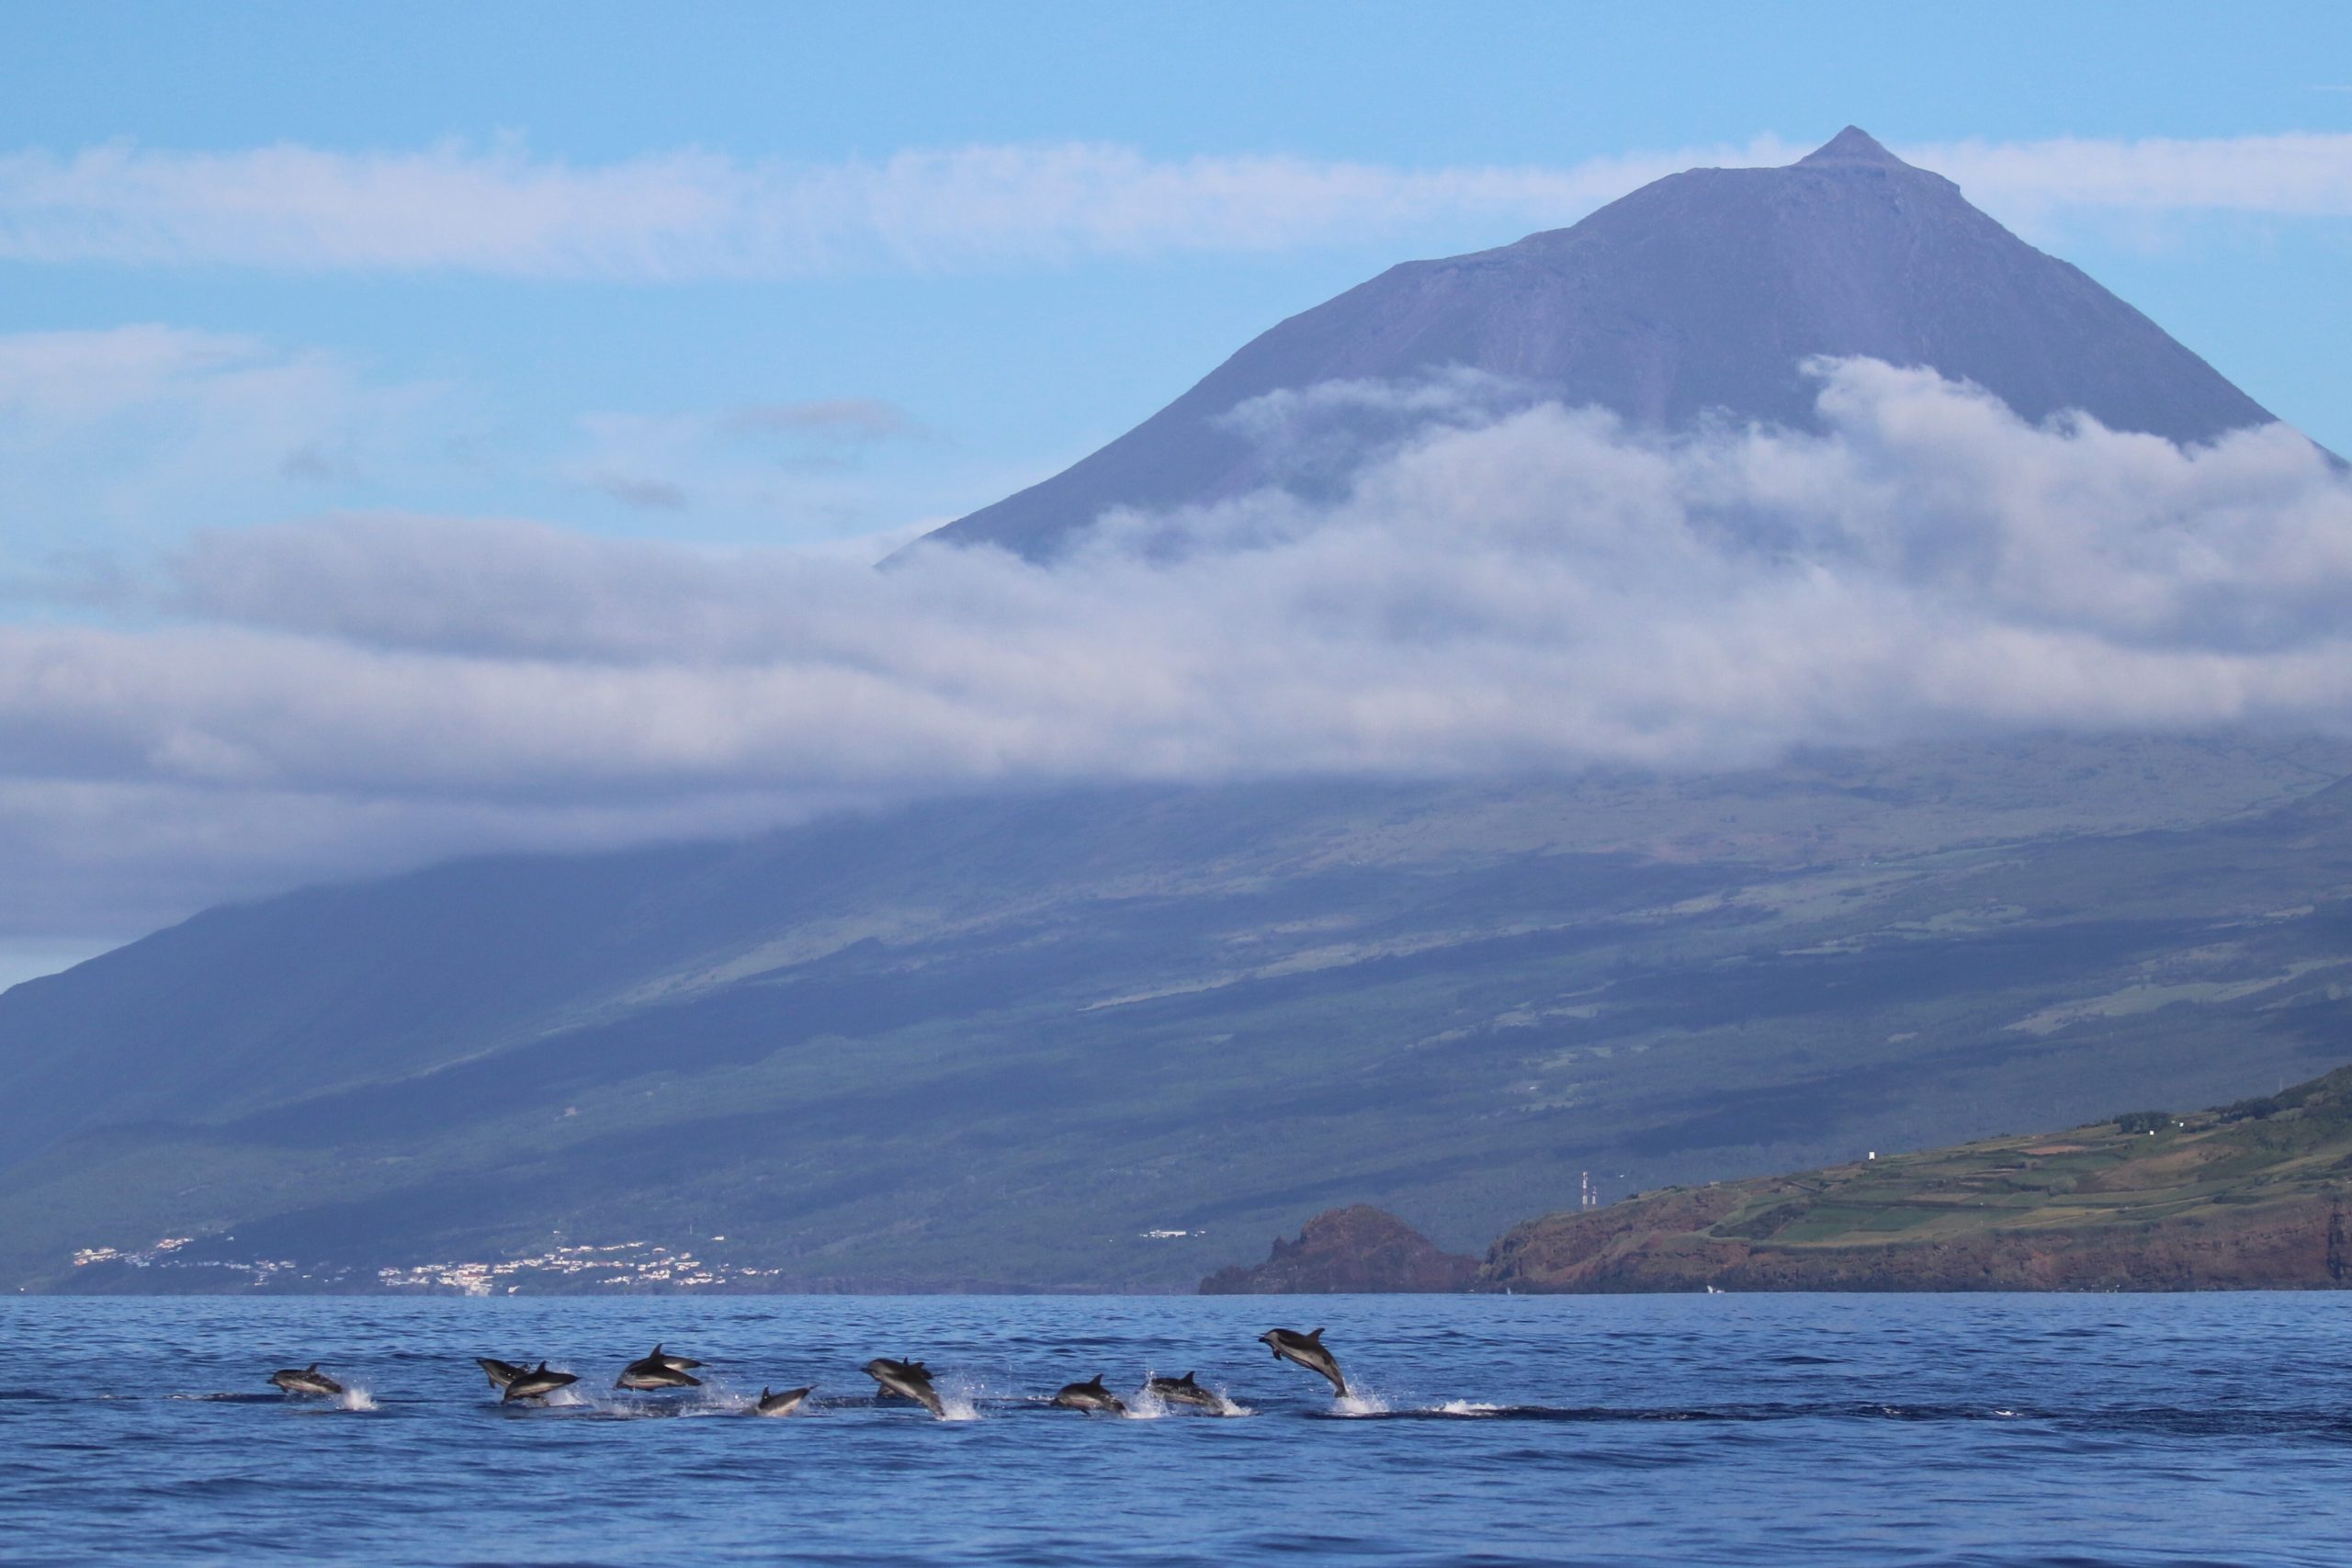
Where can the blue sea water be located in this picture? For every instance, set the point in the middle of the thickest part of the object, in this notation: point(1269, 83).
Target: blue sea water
point(1710, 1429)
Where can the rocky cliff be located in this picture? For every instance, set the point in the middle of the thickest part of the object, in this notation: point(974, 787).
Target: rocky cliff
point(1362, 1248)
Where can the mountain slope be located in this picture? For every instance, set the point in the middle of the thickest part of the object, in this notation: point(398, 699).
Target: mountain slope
point(2246, 1197)
point(1701, 292)
point(998, 1040)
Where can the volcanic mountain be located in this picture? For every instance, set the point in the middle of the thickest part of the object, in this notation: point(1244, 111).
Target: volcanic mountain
point(1086, 1037)
point(1701, 295)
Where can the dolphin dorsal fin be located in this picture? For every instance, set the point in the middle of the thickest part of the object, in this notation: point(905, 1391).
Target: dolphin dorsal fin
point(1186, 1378)
point(763, 1391)
point(656, 1354)
point(311, 1368)
point(1316, 1334)
point(918, 1366)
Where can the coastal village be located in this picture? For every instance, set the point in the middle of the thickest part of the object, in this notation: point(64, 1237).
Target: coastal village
point(624, 1265)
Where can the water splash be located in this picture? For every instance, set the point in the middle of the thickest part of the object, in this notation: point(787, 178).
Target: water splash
point(1360, 1403)
point(354, 1397)
point(1145, 1405)
point(1468, 1407)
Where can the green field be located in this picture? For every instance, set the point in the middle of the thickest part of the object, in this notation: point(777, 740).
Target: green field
point(994, 1042)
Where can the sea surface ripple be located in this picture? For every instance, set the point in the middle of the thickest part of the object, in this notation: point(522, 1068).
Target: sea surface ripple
point(1993, 1429)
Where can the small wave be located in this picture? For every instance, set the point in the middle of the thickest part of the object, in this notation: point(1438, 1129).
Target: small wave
point(1468, 1407)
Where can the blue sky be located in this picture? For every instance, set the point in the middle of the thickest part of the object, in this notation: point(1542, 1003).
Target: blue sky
point(385, 390)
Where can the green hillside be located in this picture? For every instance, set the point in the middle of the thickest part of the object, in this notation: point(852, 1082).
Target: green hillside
point(999, 1042)
point(2246, 1196)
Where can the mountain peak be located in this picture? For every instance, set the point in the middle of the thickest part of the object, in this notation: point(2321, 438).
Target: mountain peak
point(1697, 296)
point(1852, 145)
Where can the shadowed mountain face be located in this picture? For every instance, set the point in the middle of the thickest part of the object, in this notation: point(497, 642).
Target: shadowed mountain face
point(1701, 293)
point(1117, 1037)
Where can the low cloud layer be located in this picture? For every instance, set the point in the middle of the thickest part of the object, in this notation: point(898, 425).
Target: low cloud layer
point(1515, 587)
point(504, 211)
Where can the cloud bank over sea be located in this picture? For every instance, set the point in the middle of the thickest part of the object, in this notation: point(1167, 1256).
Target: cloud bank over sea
point(1503, 585)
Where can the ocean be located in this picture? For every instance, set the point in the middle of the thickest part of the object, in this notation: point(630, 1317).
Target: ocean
point(1993, 1429)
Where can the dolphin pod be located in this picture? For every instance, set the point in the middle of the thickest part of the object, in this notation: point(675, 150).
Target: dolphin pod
point(908, 1380)
point(1306, 1350)
point(1184, 1391)
point(1091, 1396)
point(783, 1403)
point(656, 1371)
point(305, 1379)
point(501, 1373)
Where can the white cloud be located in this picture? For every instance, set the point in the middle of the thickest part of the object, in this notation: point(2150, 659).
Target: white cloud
point(696, 214)
point(1537, 588)
point(2297, 174)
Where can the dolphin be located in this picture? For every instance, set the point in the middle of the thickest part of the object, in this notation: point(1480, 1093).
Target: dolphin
point(658, 1370)
point(305, 1379)
point(1091, 1396)
point(783, 1403)
point(535, 1383)
point(908, 1380)
point(1184, 1391)
point(1307, 1350)
point(501, 1373)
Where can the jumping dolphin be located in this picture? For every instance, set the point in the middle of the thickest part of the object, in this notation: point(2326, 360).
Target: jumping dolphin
point(305, 1379)
point(1306, 1350)
point(658, 1370)
point(908, 1380)
point(1184, 1391)
point(783, 1403)
point(501, 1373)
point(535, 1383)
point(1091, 1396)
